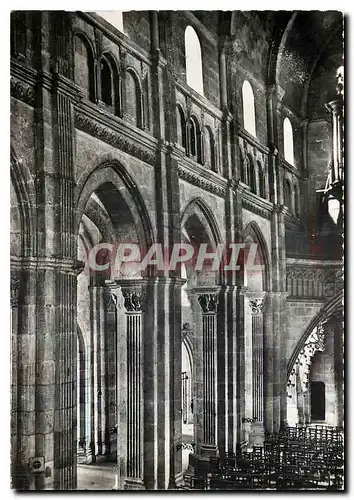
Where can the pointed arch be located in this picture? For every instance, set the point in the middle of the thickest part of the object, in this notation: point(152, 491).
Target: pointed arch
point(22, 182)
point(114, 173)
point(330, 309)
point(194, 65)
point(254, 232)
point(249, 113)
point(187, 339)
point(199, 208)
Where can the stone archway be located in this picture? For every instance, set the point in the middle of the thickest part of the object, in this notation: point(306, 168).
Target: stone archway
point(323, 337)
point(203, 287)
point(256, 285)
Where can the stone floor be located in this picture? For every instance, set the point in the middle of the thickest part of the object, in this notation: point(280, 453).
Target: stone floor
point(101, 475)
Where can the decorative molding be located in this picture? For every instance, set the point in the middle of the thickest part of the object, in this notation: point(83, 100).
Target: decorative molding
point(254, 205)
point(197, 180)
point(314, 282)
point(15, 289)
point(22, 91)
point(105, 134)
point(208, 302)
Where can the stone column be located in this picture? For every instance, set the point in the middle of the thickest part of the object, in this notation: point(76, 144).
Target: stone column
point(111, 365)
point(130, 387)
point(336, 110)
point(15, 369)
point(98, 383)
point(338, 367)
point(256, 304)
point(204, 306)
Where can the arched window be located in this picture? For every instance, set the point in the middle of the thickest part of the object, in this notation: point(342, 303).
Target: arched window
point(243, 167)
point(181, 127)
point(209, 148)
point(288, 141)
point(194, 68)
point(252, 176)
point(287, 195)
point(296, 200)
point(114, 17)
point(106, 82)
point(133, 99)
point(195, 146)
point(249, 115)
point(261, 178)
point(110, 83)
point(84, 73)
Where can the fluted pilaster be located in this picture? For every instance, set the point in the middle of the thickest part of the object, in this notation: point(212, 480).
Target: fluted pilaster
point(256, 306)
point(204, 305)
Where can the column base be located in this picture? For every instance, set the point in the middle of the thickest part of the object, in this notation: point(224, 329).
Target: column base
point(179, 479)
point(132, 483)
point(201, 462)
point(209, 450)
point(256, 437)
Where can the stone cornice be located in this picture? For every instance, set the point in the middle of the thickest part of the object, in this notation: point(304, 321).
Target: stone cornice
point(22, 82)
point(292, 262)
point(288, 167)
point(117, 37)
point(114, 131)
point(70, 266)
point(200, 27)
point(291, 219)
point(22, 72)
point(250, 139)
point(257, 205)
point(198, 99)
point(205, 179)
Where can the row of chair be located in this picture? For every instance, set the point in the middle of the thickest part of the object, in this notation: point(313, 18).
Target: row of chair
point(295, 459)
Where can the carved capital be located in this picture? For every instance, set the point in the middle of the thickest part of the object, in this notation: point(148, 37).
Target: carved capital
point(133, 301)
point(208, 302)
point(256, 306)
point(15, 289)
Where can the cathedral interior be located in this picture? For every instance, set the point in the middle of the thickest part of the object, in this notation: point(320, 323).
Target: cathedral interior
point(169, 127)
